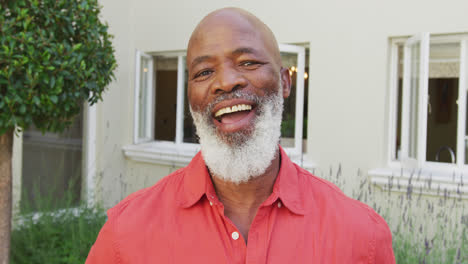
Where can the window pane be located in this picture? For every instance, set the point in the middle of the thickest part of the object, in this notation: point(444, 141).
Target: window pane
point(466, 133)
point(51, 169)
point(414, 95)
point(190, 135)
point(399, 101)
point(289, 114)
point(166, 97)
point(442, 115)
point(143, 99)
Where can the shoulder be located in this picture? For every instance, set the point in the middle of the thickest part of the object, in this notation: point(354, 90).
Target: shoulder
point(345, 212)
point(327, 194)
point(146, 200)
point(346, 219)
point(127, 217)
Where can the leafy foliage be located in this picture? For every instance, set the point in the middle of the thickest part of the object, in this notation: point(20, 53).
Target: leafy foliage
point(54, 54)
point(63, 236)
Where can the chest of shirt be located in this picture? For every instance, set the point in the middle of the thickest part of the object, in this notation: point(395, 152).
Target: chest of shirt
point(204, 235)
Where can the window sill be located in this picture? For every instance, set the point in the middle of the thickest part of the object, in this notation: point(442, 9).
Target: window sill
point(439, 183)
point(169, 153)
point(162, 153)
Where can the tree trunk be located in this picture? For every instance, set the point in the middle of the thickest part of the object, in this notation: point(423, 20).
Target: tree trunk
point(6, 151)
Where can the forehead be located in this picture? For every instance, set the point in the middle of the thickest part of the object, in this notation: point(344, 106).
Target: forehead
point(224, 34)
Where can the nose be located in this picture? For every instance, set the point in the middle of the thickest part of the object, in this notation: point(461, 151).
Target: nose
point(228, 79)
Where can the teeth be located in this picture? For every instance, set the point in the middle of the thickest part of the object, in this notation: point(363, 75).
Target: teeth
point(234, 108)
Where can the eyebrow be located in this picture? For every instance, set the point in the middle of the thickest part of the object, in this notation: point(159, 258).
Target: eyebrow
point(199, 60)
point(236, 52)
point(243, 50)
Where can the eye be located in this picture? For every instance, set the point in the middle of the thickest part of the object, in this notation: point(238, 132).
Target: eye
point(202, 74)
point(248, 63)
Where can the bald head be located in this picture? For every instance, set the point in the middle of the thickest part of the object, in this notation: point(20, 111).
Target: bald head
point(231, 49)
point(238, 23)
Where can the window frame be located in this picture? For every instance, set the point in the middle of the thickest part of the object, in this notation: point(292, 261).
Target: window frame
point(89, 171)
point(149, 100)
point(421, 162)
point(429, 178)
point(421, 111)
point(296, 151)
point(177, 152)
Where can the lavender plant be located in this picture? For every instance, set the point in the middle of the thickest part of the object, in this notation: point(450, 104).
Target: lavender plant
point(429, 223)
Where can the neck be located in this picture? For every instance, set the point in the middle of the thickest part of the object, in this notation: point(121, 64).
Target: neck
point(241, 201)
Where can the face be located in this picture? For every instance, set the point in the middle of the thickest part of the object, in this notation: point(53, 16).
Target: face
point(228, 56)
point(236, 90)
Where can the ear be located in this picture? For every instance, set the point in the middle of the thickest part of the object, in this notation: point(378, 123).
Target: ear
point(285, 81)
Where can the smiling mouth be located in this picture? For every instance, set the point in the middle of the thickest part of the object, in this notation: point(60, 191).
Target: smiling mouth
point(232, 114)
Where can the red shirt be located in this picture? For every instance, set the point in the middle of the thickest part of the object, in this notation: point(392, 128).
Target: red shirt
point(180, 220)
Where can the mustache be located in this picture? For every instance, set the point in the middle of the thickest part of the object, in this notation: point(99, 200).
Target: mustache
point(238, 94)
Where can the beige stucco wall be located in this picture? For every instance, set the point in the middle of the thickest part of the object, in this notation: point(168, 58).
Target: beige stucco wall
point(115, 112)
point(348, 94)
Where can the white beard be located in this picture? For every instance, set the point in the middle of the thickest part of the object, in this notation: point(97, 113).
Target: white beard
point(240, 156)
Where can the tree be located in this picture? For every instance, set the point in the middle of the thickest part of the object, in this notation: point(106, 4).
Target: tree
point(54, 55)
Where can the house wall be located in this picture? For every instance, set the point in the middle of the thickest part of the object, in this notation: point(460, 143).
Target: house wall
point(348, 75)
point(114, 114)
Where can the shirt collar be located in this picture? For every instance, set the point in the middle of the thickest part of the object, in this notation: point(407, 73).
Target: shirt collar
point(287, 186)
point(197, 182)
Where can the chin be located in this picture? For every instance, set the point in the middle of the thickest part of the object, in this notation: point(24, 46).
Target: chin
point(237, 138)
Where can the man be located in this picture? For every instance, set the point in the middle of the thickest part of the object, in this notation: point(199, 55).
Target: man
point(241, 200)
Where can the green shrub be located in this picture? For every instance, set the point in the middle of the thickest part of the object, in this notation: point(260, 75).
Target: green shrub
point(437, 250)
point(63, 236)
point(54, 54)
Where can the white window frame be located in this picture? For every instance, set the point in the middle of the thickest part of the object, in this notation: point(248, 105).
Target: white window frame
point(418, 172)
point(149, 99)
point(177, 152)
point(88, 177)
point(423, 40)
point(420, 162)
point(296, 152)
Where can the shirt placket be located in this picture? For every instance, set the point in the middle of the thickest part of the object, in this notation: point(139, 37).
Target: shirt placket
point(237, 242)
point(259, 235)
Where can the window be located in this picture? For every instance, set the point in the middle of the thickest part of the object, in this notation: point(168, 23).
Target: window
point(294, 124)
point(161, 106)
point(48, 164)
point(163, 128)
point(429, 109)
point(52, 166)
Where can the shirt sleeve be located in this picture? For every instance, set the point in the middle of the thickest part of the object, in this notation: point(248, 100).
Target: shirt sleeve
point(103, 250)
point(383, 244)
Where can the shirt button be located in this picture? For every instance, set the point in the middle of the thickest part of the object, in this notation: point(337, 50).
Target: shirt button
point(235, 235)
point(279, 204)
point(211, 203)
